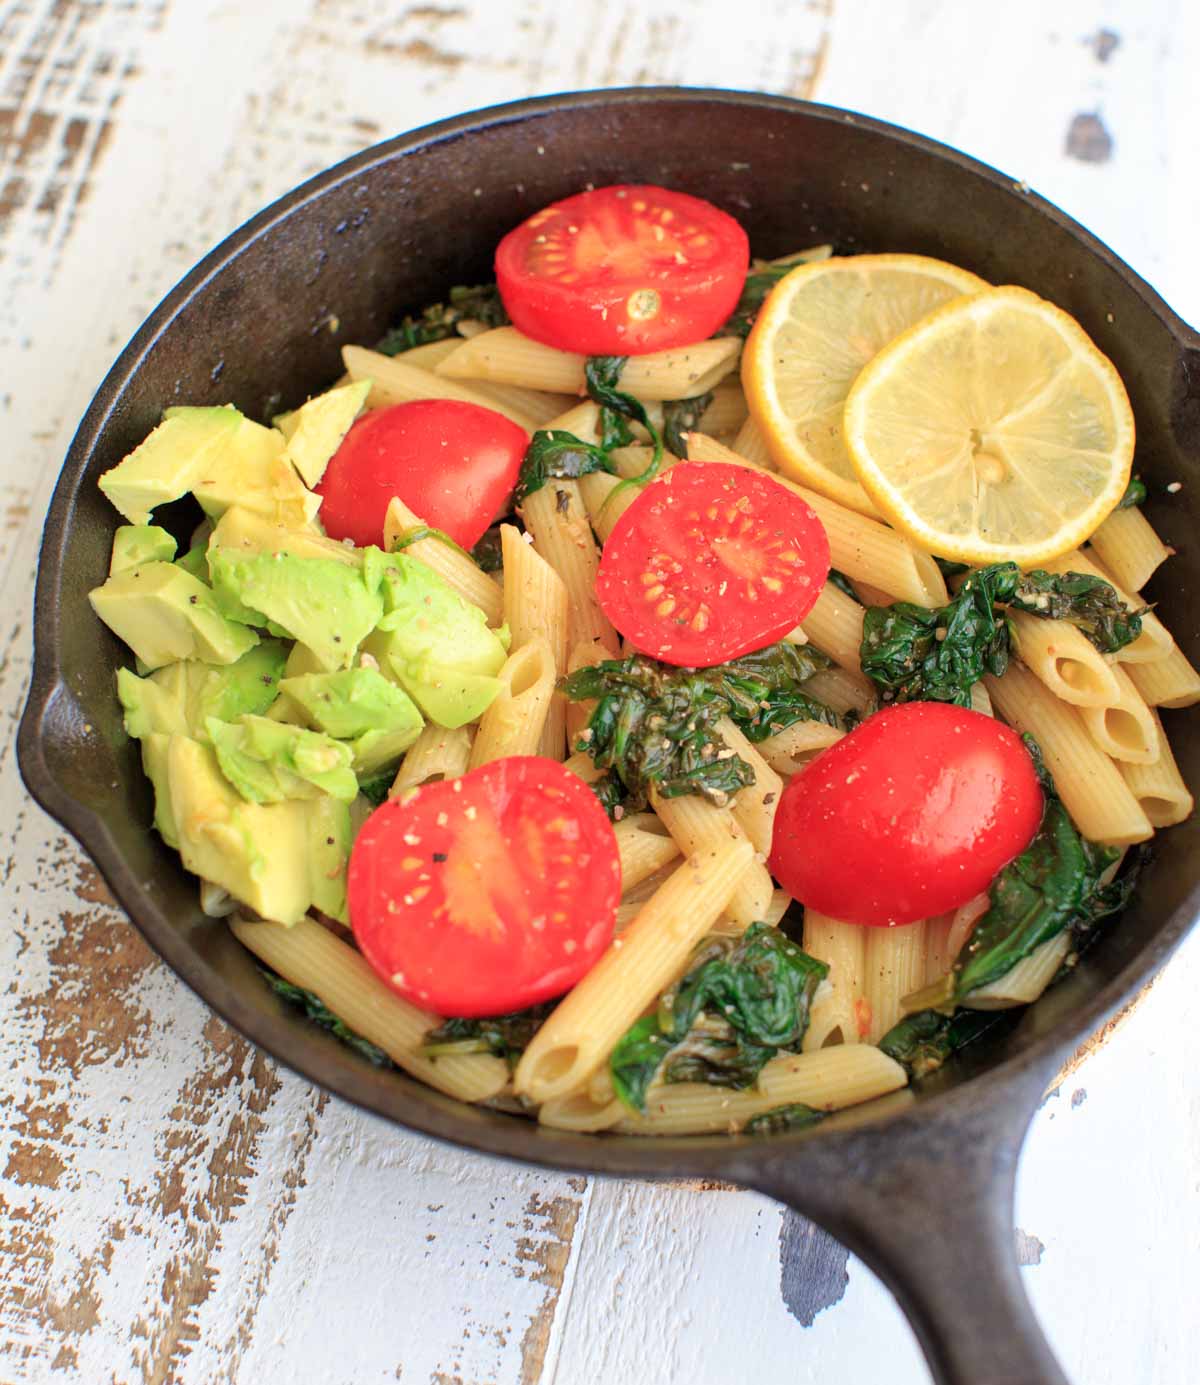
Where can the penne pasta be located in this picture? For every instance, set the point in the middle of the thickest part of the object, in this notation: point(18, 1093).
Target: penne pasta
point(311, 957)
point(751, 446)
point(1153, 643)
point(535, 405)
point(513, 724)
point(535, 607)
point(1168, 682)
point(727, 411)
point(558, 521)
point(1125, 728)
point(437, 753)
point(894, 966)
point(842, 690)
point(700, 826)
point(580, 420)
point(789, 750)
point(1065, 660)
point(1091, 788)
point(456, 568)
point(838, 1014)
point(1129, 548)
point(586, 1024)
point(506, 356)
point(754, 806)
point(1158, 786)
point(395, 381)
point(1026, 981)
point(826, 1080)
point(835, 626)
point(645, 846)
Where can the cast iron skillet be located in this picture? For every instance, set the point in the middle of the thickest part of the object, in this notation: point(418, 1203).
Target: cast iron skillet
point(922, 1190)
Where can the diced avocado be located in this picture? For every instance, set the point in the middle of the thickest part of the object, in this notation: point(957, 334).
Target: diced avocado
point(150, 707)
point(316, 430)
point(359, 705)
point(195, 562)
point(329, 841)
point(241, 531)
point(165, 465)
point(301, 660)
point(154, 762)
point(182, 696)
point(286, 423)
point(436, 645)
point(323, 603)
point(258, 852)
point(134, 544)
point(163, 613)
point(268, 761)
point(252, 471)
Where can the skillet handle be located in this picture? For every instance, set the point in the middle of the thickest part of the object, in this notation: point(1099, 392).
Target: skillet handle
point(926, 1201)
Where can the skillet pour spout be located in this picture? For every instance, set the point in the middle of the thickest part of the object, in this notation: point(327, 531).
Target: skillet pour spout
point(922, 1188)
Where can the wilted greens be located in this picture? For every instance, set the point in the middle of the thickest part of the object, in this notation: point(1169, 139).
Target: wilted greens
point(1135, 494)
point(923, 1041)
point(655, 725)
point(759, 282)
point(440, 320)
point(602, 375)
point(556, 453)
point(742, 1001)
point(505, 1036)
point(794, 1117)
point(680, 416)
point(317, 1011)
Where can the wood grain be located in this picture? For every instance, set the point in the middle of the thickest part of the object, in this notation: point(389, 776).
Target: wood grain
point(173, 1207)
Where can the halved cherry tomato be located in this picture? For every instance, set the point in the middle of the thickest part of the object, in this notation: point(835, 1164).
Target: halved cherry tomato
point(485, 894)
point(711, 561)
point(451, 463)
point(623, 271)
point(912, 814)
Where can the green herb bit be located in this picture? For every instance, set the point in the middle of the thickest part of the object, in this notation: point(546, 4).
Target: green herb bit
point(742, 1001)
point(426, 531)
point(680, 416)
point(488, 552)
point(842, 583)
point(601, 374)
point(612, 795)
point(555, 453)
point(1135, 494)
point(1087, 601)
point(797, 1116)
point(317, 1011)
point(504, 1036)
point(655, 725)
point(922, 1042)
point(759, 282)
point(440, 320)
point(376, 788)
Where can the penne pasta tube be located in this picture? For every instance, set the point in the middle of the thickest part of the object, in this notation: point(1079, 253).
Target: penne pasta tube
point(558, 521)
point(754, 806)
point(311, 957)
point(835, 626)
point(645, 846)
point(697, 826)
point(980, 701)
point(1125, 729)
point(535, 405)
point(842, 690)
point(396, 381)
point(1168, 682)
point(863, 548)
point(751, 445)
point(457, 569)
point(580, 420)
point(437, 753)
point(582, 655)
point(513, 724)
point(893, 967)
point(431, 355)
point(506, 356)
point(1153, 643)
point(839, 1013)
point(789, 750)
point(1129, 548)
point(583, 767)
point(1158, 786)
point(727, 411)
point(587, 1023)
point(535, 607)
point(1026, 981)
point(1065, 660)
point(1091, 787)
point(826, 1080)
point(580, 1111)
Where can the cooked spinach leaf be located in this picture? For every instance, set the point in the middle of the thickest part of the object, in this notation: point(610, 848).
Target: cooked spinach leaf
point(742, 1001)
point(922, 1042)
point(759, 282)
point(655, 724)
point(794, 1117)
point(949, 568)
point(612, 794)
point(317, 1011)
point(842, 583)
point(602, 375)
point(556, 453)
point(440, 320)
point(916, 653)
point(505, 1036)
point(1135, 494)
point(376, 788)
point(680, 416)
point(487, 552)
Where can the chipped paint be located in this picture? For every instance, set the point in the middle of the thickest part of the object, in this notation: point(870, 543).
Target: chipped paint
point(1088, 139)
point(812, 1268)
point(1029, 1249)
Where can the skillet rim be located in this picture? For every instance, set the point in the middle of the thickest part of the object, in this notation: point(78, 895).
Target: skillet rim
point(399, 1098)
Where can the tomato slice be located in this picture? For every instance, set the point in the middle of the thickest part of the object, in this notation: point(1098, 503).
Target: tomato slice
point(623, 270)
point(711, 561)
point(485, 894)
point(451, 463)
point(912, 814)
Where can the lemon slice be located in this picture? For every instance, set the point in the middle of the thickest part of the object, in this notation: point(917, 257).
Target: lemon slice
point(819, 326)
point(992, 430)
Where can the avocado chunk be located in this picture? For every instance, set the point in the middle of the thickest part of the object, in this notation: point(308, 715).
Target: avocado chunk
point(163, 613)
point(195, 562)
point(437, 646)
point(315, 431)
point(154, 761)
point(180, 698)
point(134, 544)
point(325, 604)
point(269, 761)
point(243, 532)
point(251, 471)
point(329, 841)
point(165, 465)
point(359, 705)
point(257, 852)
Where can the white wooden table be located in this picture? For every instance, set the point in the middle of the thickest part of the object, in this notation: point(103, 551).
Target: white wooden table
point(173, 1207)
